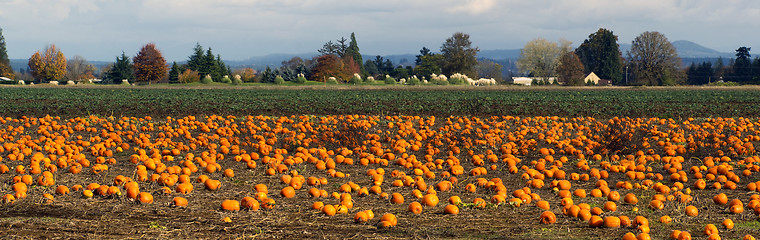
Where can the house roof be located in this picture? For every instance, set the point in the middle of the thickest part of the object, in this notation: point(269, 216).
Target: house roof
point(592, 76)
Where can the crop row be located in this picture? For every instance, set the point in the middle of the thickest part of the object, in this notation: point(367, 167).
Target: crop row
point(665, 103)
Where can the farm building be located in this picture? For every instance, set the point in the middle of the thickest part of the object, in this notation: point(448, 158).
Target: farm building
point(592, 78)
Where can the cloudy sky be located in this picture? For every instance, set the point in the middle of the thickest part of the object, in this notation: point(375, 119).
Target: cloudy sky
point(239, 29)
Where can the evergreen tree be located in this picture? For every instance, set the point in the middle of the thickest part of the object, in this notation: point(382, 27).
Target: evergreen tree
point(371, 68)
point(601, 54)
point(174, 73)
point(196, 61)
point(209, 66)
point(268, 75)
point(353, 51)
point(742, 66)
point(5, 64)
point(388, 66)
point(379, 65)
point(719, 68)
point(423, 52)
point(221, 68)
point(122, 69)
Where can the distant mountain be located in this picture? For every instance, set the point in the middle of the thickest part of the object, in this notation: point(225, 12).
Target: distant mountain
point(272, 60)
point(499, 54)
point(687, 49)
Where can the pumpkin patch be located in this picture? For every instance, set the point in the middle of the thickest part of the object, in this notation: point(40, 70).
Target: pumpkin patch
point(686, 175)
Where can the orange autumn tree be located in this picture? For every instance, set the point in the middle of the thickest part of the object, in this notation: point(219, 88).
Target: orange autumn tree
point(149, 64)
point(48, 66)
point(330, 65)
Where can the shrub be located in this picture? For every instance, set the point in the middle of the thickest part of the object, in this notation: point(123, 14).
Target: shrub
point(458, 79)
point(207, 80)
point(389, 80)
point(413, 81)
point(279, 80)
point(370, 80)
point(332, 80)
point(226, 79)
point(356, 79)
point(301, 79)
point(237, 81)
point(723, 84)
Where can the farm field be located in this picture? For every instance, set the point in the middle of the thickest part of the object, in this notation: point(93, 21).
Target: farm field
point(515, 163)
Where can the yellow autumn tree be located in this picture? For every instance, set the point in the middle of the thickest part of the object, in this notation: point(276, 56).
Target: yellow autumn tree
point(48, 66)
point(149, 64)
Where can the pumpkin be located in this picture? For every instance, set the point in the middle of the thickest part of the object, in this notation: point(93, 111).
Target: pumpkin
point(548, 217)
point(451, 209)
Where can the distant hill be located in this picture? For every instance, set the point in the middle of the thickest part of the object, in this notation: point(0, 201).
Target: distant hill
point(687, 49)
point(272, 60)
point(500, 54)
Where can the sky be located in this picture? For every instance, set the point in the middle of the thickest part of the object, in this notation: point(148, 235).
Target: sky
point(99, 30)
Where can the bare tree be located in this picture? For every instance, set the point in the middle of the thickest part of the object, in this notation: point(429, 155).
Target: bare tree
point(79, 69)
point(654, 59)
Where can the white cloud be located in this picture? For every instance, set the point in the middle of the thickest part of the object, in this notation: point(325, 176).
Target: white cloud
point(236, 29)
point(474, 7)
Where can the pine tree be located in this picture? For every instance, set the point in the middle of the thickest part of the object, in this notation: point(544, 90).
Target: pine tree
point(5, 64)
point(196, 60)
point(174, 73)
point(219, 69)
point(353, 51)
point(122, 69)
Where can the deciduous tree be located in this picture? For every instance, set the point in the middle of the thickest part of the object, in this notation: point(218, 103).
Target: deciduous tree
point(654, 59)
point(540, 57)
point(489, 69)
point(329, 65)
point(79, 69)
point(570, 69)
point(48, 66)
point(601, 54)
point(149, 64)
point(458, 55)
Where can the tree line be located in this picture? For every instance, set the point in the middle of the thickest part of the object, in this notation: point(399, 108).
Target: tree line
point(341, 61)
point(652, 60)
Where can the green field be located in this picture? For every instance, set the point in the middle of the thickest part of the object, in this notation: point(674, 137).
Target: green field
point(436, 101)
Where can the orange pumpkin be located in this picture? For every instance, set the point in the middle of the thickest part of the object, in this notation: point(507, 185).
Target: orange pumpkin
point(451, 209)
point(548, 217)
point(230, 205)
